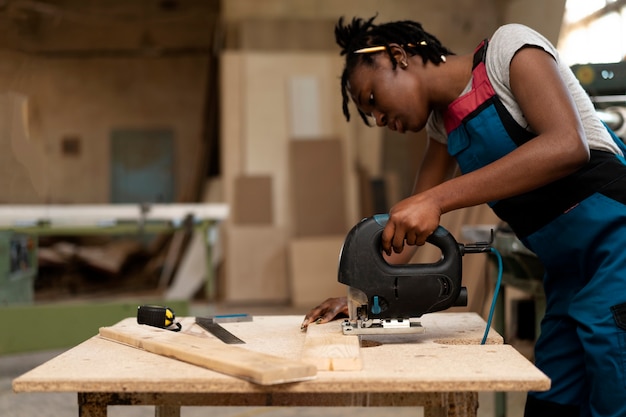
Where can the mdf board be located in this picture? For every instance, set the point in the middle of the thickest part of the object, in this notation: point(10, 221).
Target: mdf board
point(317, 187)
point(255, 264)
point(313, 264)
point(253, 200)
point(257, 123)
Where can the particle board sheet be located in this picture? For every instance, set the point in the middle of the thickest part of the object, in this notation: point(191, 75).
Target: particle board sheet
point(317, 186)
point(210, 353)
point(329, 349)
point(447, 357)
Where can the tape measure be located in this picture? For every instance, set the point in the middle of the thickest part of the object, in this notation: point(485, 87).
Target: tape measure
point(157, 316)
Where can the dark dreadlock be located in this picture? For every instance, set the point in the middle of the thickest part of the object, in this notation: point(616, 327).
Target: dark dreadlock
point(363, 33)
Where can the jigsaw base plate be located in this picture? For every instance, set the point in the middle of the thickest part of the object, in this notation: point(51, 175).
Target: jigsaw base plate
point(387, 326)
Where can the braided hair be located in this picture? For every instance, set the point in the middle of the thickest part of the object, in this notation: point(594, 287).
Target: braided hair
point(359, 34)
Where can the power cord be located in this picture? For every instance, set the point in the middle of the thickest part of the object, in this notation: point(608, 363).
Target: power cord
point(495, 294)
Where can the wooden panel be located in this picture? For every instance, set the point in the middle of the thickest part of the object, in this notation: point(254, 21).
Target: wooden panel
point(317, 187)
point(265, 128)
point(232, 118)
point(210, 353)
point(253, 200)
point(313, 264)
point(255, 264)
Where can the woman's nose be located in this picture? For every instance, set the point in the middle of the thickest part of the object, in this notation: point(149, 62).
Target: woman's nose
point(381, 119)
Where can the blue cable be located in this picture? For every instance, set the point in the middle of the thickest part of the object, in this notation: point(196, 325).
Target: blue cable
point(495, 294)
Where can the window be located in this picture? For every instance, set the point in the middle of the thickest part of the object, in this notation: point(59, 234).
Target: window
point(593, 31)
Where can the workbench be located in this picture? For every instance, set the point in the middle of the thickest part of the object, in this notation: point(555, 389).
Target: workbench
point(442, 370)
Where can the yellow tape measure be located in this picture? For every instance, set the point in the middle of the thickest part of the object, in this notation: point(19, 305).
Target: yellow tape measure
point(157, 316)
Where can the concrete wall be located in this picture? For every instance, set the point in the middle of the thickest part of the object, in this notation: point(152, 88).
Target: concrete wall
point(75, 71)
point(84, 99)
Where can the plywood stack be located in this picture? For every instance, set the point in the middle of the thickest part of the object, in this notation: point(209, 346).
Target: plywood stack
point(286, 168)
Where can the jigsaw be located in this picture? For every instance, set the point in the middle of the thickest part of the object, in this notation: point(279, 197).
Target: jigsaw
point(385, 298)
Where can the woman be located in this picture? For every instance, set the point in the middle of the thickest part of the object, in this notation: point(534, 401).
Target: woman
point(528, 142)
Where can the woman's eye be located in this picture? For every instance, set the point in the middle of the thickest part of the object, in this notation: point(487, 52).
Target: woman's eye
point(371, 99)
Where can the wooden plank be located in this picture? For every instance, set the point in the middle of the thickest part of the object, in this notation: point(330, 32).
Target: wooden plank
point(260, 368)
point(329, 349)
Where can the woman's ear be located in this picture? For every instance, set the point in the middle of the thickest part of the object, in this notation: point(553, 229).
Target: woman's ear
point(400, 55)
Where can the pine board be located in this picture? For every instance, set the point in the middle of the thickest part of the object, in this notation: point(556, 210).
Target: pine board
point(260, 368)
point(329, 349)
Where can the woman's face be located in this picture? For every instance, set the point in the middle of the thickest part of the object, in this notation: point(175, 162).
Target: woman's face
point(393, 98)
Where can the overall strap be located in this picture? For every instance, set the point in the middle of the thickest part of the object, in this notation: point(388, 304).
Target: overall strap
point(480, 52)
point(481, 92)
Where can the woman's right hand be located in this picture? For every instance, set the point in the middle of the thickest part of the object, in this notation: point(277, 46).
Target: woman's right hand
point(330, 309)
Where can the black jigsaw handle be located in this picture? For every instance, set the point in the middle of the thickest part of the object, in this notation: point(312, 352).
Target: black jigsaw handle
point(401, 291)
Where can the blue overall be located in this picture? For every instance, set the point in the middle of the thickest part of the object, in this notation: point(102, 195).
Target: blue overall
point(577, 228)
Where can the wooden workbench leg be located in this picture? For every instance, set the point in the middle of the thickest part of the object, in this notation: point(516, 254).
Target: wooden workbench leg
point(453, 404)
point(462, 404)
point(90, 406)
point(167, 411)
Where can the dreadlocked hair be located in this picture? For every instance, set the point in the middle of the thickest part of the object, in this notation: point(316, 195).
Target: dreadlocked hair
point(364, 33)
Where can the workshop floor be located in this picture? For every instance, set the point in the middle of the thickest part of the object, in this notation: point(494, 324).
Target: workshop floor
point(65, 404)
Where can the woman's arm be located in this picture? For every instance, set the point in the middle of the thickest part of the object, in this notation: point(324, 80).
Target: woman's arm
point(558, 150)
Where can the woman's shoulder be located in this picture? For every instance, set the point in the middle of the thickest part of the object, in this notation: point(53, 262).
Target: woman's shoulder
point(513, 29)
point(506, 41)
point(509, 38)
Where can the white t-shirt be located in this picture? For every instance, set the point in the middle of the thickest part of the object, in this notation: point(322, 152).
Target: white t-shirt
point(503, 45)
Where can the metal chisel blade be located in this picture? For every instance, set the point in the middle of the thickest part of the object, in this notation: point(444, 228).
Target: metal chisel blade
point(218, 331)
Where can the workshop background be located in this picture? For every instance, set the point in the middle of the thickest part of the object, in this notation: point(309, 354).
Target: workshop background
point(237, 102)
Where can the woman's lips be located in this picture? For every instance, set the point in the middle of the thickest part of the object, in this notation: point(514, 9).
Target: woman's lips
point(397, 126)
